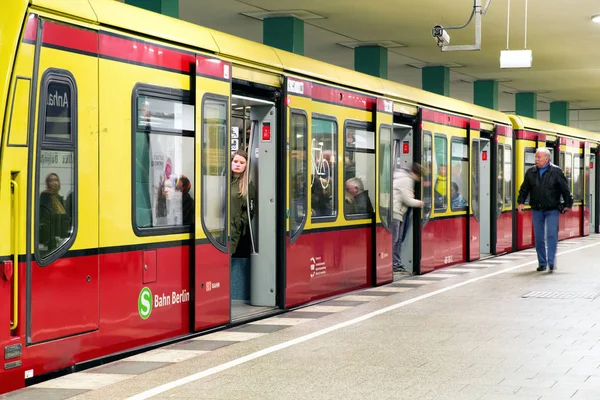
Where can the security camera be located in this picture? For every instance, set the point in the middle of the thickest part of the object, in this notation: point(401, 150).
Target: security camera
point(440, 35)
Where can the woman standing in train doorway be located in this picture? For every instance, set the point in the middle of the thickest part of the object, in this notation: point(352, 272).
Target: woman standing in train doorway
point(243, 195)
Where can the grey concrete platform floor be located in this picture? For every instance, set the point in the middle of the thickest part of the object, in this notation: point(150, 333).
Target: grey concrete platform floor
point(485, 331)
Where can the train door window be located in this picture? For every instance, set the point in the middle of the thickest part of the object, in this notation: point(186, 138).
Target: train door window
point(529, 162)
point(163, 142)
point(385, 175)
point(56, 211)
point(323, 172)
point(359, 170)
point(569, 170)
point(441, 173)
point(298, 171)
point(215, 164)
point(500, 179)
point(577, 178)
point(561, 160)
point(508, 176)
point(427, 164)
point(459, 174)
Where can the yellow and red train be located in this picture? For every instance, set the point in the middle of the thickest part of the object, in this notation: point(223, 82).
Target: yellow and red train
point(106, 109)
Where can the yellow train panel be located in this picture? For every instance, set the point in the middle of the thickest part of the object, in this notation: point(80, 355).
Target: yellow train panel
point(85, 73)
point(404, 108)
point(79, 9)
point(14, 157)
point(116, 14)
point(243, 49)
point(520, 122)
point(117, 82)
point(255, 75)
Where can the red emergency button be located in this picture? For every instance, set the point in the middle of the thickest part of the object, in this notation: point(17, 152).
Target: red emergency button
point(266, 132)
point(484, 155)
point(591, 165)
point(405, 148)
point(7, 270)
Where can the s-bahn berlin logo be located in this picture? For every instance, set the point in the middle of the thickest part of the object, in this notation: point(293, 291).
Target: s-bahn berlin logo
point(145, 303)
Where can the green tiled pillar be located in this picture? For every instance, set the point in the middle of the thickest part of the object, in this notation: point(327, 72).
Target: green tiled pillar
point(436, 79)
point(285, 33)
point(372, 60)
point(165, 7)
point(485, 94)
point(559, 112)
point(526, 104)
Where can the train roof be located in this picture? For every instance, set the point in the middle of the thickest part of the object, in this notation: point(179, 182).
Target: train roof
point(520, 122)
point(112, 13)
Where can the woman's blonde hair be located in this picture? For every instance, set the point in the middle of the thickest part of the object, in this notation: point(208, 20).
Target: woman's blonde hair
point(242, 179)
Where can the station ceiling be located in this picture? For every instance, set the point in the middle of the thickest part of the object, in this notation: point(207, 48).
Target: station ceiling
point(561, 34)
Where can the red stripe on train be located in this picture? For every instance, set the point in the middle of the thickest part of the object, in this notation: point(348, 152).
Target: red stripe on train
point(31, 29)
point(82, 40)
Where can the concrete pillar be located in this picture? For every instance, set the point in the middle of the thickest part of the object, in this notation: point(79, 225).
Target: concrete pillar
point(372, 60)
point(526, 104)
point(436, 79)
point(285, 33)
point(165, 7)
point(559, 112)
point(485, 94)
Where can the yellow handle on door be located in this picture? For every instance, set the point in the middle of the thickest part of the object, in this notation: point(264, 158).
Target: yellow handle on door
point(15, 321)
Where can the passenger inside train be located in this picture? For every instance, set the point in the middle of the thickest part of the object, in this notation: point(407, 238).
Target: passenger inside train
point(243, 195)
point(55, 216)
point(457, 200)
point(357, 198)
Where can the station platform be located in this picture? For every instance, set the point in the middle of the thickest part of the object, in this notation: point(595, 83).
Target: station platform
point(494, 329)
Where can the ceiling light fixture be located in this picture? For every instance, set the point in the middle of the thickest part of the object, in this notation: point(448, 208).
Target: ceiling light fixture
point(596, 19)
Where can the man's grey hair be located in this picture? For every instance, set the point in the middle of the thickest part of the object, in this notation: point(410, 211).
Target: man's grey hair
point(545, 151)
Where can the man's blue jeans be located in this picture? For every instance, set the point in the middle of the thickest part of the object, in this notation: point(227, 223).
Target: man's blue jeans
point(548, 220)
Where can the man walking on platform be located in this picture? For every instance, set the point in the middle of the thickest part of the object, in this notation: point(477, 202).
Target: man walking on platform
point(545, 184)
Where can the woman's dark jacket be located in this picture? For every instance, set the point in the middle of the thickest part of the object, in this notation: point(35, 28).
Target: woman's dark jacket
point(241, 246)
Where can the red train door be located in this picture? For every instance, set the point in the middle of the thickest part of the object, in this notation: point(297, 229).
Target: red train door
point(382, 266)
point(62, 207)
point(211, 256)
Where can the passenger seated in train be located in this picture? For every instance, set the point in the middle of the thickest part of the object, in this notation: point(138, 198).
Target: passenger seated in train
point(55, 221)
point(243, 196)
point(457, 200)
point(187, 202)
point(440, 187)
point(321, 198)
point(357, 198)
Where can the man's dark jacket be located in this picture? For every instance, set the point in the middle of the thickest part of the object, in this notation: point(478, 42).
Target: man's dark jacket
point(545, 191)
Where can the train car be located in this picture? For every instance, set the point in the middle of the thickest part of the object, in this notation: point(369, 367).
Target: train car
point(574, 151)
point(118, 128)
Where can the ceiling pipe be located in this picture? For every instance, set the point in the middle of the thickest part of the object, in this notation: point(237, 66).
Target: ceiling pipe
point(477, 12)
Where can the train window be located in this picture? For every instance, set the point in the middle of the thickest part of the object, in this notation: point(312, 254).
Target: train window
point(215, 164)
point(298, 171)
point(56, 209)
point(500, 180)
point(323, 172)
point(508, 176)
point(459, 174)
point(427, 164)
point(441, 173)
point(164, 161)
point(385, 176)
point(529, 162)
point(569, 170)
point(359, 170)
point(577, 178)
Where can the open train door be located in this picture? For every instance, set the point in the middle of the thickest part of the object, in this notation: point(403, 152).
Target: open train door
point(382, 265)
point(210, 272)
point(587, 203)
point(474, 215)
point(593, 199)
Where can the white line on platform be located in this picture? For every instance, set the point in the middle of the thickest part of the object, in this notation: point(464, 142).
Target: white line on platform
point(242, 360)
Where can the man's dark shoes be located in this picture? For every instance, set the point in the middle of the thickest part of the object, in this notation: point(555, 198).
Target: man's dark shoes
point(542, 268)
point(551, 268)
